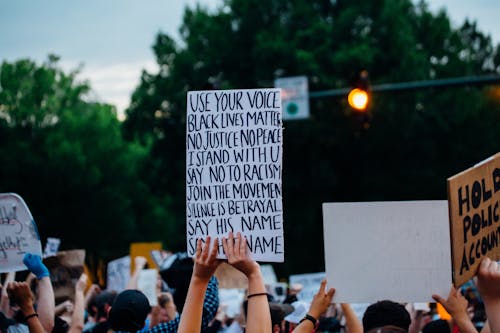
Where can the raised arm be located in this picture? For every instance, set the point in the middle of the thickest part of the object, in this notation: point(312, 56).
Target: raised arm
point(352, 322)
point(456, 305)
point(139, 264)
point(20, 293)
point(319, 305)
point(488, 285)
point(4, 300)
point(45, 299)
point(78, 317)
point(204, 267)
point(238, 256)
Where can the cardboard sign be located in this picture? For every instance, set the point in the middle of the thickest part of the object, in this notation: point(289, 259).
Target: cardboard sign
point(51, 247)
point(233, 169)
point(387, 250)
point(229, 277)
point(310, 284)
point(118, 274)
point(18, 233)
point(474, 208)
point(144, 250)
point(65, 269)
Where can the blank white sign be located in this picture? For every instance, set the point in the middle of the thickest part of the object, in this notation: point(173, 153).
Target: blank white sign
point(387, 250)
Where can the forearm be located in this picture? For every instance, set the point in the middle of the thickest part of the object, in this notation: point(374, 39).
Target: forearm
point(33, 322)
point(492, 308)
point(77, 319)
point(191, 316)
point(4, 297)
point(352, 322)
point(46, 305)
point(258, 313)
point(464, 324)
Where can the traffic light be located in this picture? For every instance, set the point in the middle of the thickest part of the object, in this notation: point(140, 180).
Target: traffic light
point(359, 96)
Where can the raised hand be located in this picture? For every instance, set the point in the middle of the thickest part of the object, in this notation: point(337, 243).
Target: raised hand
point(205, 261)
point(238, 256)
point(321, 300)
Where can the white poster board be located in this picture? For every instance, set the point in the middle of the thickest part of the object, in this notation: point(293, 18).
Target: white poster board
point(147, 284)
point(387, 250)
point(51, 247)
point(233, 169)
point(231, 301)
point(310, 284)
point(18, 233)
point(118, 274)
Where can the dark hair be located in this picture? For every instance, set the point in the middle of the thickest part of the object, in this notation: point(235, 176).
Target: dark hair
point(103, 299)
point(437, 326)
point(386, 313)
point(129, 311)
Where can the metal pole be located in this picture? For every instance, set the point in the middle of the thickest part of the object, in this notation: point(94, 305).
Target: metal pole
point(450, 82)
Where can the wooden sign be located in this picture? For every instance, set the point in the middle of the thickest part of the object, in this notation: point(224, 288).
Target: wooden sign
point(474, 209)
point(144, 250)
point(229, 277)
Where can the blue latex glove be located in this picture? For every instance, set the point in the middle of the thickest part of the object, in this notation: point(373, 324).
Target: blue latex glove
point(35, 265)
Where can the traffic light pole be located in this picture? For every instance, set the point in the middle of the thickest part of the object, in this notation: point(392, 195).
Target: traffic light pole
point(442, 83)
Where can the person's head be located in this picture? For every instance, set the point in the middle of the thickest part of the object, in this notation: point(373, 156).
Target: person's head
point(103, 303)
point(129, 311)
point(437, 326)
point(386, 313)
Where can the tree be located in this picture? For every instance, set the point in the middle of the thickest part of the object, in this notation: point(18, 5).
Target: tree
point(66, 157)
point(416, 139)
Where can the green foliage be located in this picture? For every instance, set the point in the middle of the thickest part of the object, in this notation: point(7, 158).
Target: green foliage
point(416, 139)
point(66, 157)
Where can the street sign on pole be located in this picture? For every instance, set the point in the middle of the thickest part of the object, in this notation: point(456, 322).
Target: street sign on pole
point(294, 97)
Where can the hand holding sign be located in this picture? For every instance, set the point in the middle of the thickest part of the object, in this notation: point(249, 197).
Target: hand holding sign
point(35, 265)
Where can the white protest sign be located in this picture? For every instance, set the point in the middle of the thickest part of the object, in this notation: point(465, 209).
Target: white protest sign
point(51, 247)
point(268, 274)
point(118, 274)
point(233, 169)
point(18, 233)
point(231, 300)
point(147, 284)
point(387, 250)
point(310, 284)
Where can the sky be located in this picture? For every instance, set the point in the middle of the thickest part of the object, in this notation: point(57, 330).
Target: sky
point(112, 39)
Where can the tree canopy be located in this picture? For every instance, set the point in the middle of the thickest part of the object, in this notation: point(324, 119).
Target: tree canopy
point(67, 158)
point(414, 141)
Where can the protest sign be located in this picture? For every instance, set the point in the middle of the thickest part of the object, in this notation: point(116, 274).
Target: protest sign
point(65, 269)
point(474, 209)
point(118, 274)
point(268, 274)
point(230, 301)
point(147, 284)
point(310, 284)
point(144, 250)
point(51, 247)
point(387, 250)
point(18, 233)
point(229, 277)
point(233, 169)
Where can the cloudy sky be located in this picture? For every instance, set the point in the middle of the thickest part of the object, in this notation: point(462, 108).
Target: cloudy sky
point(112, 39)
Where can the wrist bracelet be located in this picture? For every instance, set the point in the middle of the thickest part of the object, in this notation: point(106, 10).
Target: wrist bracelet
point(256, 294)
point(310, 318)
point(30, 316)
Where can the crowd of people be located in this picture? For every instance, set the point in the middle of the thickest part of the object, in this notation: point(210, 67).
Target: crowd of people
point(29, 306)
